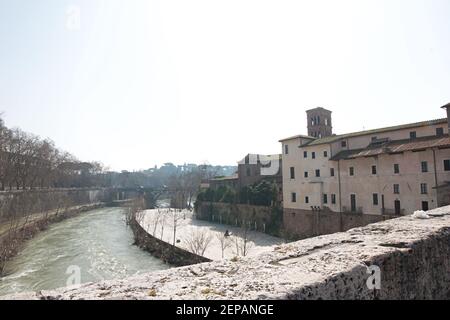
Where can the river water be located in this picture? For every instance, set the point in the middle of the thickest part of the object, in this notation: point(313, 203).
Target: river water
point(95, 245)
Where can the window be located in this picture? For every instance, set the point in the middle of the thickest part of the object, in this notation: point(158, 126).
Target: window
point(325, 199)
point(352, 171)
point(305, 154)
point(326, 121)
point(293, 197)
point(412, 135)
point(447, 165)
point(374, 139)
point(333, 199)
point(313, 155)
point(325, 154)
point(424, 165)
point(423, 188)
point(439, 131)
point(396, 188)
point(286, 149)
point(317, 173)
point(353, 202)
point(344, 144)
point(306, 199)
point(292, 173)
point(306, 174)
point(374, 169)
point(396, 168)
point(375, 199)
point(332, 172)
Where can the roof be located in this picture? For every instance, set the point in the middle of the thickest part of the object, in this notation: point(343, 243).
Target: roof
point(296, 137)
point(396, 147)
point(446, 106)
point(319, 108)
point(334, 138)
point(258, 157)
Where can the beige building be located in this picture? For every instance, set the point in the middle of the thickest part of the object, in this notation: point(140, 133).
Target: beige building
point(387, 171)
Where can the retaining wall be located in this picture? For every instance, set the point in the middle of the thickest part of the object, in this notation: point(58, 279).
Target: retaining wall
point(165, 251)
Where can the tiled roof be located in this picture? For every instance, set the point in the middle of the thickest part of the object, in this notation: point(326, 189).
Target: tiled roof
point(396, 147)
point(334, 138)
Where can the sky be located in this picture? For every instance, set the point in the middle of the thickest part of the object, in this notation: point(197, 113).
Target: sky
point(137, 83)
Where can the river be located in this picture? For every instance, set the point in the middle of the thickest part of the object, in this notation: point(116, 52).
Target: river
point(98, 244)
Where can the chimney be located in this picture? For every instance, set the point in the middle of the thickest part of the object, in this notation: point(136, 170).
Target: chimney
point(447, 107)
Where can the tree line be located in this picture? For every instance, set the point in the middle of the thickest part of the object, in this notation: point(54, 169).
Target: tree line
point(29, 162)
point(264, 193)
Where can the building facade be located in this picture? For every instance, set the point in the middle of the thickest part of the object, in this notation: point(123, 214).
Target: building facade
point(388, 171)
point(252, 169)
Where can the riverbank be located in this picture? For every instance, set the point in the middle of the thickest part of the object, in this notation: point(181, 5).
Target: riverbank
point(14, 234)
point(162, 250)
point(203, 237)
point(412, 256)
point(90, 247)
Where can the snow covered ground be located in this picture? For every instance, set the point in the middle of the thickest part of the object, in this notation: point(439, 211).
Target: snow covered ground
point(159, 223)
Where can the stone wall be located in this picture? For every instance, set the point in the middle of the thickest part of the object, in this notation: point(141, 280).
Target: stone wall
point(292, 223)
point(160, 249)
point(301, 224)
point(413, 257)
point(259, 218)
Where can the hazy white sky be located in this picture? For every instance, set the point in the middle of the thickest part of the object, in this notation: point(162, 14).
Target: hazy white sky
point(141, 82)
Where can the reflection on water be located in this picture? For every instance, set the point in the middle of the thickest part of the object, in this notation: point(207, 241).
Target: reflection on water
point(98, 242)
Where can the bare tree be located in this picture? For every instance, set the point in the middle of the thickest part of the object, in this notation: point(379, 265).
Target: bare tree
point(198, 241)
point(242, 241)
point(174, 216)
point(224, 242)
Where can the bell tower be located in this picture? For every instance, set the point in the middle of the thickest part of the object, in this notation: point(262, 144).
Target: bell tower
point(319, 123)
